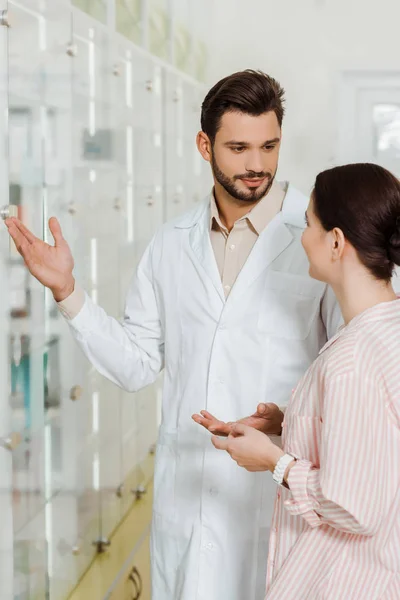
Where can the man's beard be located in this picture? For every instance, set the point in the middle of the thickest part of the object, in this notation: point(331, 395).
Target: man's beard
point(244, 196)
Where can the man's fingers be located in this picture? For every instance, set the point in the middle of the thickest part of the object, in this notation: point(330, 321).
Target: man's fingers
point(201, 420)
point(56, 232)
point(208, 415)
point(20, 240)
point(263, 409)
point(24, 231)
point(217, 427)
point(219, 444)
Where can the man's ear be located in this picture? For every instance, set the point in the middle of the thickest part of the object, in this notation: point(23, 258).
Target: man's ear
point(204, 145)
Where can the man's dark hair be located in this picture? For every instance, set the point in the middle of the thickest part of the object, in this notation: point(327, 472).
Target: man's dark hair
point(249, 92)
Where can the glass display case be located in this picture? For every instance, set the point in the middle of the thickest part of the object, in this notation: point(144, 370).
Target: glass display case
point(100, 134)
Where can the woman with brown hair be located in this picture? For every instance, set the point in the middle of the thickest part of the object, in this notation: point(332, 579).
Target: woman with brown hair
point(336, 527)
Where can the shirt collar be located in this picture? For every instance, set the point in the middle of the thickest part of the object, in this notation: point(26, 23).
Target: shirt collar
point(260, 215)
point(376, 312)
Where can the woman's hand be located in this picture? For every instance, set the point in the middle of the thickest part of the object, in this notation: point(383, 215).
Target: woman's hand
point(250, 448)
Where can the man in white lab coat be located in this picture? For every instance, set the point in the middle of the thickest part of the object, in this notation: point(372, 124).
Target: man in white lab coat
point(222, 301)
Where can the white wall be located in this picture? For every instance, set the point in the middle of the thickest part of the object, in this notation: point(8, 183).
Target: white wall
point(306, 44)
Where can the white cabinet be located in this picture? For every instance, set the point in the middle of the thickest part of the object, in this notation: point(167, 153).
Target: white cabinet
point(101, 135)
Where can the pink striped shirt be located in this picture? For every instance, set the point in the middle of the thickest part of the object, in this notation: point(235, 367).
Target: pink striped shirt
point(336, 534)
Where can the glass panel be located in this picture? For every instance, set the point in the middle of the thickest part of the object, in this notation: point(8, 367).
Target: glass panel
point(94, 8)
point(103, 139)
point(183, 49)
point(99, 188)
point(6, 531)
point(6, 536)
point(73, 514)
point(386, 119)
point(26, 339)
point(159, 27)
point(201, 16)
point(183, 36)
point(200, 60)
point(147, 150)
point(128, 15)
point(127, 88)
point(174, 151)
point(195, 169)
point(30, 533)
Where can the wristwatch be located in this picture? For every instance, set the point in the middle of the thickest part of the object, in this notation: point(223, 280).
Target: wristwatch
point(281, 467)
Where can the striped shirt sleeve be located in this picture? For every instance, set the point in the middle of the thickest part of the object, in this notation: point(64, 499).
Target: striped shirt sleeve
point(349, 490)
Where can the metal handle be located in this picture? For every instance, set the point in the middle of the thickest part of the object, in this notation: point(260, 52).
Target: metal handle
point(11, 442)
point(117, 70)
point(72, 49)
point(5, 18)
point(76, 392)
point(139, 492)
point(72, 208)
point(150, 200)
point(149, 85)
point(135, 578)
point(9, 210)
point(102, 543)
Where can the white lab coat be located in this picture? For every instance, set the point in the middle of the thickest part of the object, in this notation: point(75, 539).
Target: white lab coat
point(211, 518)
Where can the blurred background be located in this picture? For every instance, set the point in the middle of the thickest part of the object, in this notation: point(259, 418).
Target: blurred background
point(99, 108)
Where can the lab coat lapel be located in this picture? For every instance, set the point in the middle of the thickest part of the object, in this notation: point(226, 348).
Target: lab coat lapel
point(275, 238)
point(200, 243)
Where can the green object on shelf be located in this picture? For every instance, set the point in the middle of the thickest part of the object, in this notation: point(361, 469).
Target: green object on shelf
point(20, 382)
point(200, 60)
point(158, 32)
point(95, 8)
point(128, 16)
point(183, 49)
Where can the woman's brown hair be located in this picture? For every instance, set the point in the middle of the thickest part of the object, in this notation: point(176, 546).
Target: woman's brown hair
point(363, 200)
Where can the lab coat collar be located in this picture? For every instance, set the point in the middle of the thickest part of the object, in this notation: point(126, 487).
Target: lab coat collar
point(200, 242)
point(294, 207)
point(293, 210)
point(195, 216)
point(275, 238)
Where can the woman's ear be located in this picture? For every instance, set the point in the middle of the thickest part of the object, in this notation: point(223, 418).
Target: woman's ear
point(338, 243)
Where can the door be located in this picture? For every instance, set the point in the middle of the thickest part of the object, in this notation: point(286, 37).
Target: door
point(369, 119)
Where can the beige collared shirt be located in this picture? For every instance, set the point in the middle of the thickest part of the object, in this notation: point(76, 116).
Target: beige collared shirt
point(232, 248)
